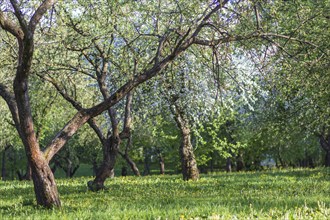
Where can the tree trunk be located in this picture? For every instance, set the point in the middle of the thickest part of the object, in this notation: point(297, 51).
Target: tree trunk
point(107, 167)
point(54, 168)
point(44, 183)
point(56, 164)
point(311, 162)
point(74, 170)
point(188, 161)
point(147, 161)
point(95, 168)
point(161, 165)
point(239, 162)
point(327, 159)
point(280, 159)
point(43, 179)
point(125, 155)
point(212, 162)
point(131, 163)
point(325, 144)
point(228, 165)
point(68, 168)
point(3, 163)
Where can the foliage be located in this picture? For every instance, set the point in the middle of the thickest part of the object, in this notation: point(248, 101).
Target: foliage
point(275, 74)
point(157, 135)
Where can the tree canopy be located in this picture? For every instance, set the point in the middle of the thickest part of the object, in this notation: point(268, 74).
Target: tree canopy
point(217, 80)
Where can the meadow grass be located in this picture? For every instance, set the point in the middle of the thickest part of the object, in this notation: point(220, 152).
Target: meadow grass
point(286, 194)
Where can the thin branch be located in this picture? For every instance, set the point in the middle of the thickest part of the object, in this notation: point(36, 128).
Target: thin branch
point(220, 5)
point(84, 115)
point(257, 16)
point(287, 37)
point(159, 49)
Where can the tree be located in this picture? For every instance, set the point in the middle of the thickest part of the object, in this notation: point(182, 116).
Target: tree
point(297, 86)
point(158, 41)
point(19, 103)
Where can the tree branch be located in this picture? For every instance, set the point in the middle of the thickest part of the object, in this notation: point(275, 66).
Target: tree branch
point(19, 15)
point(12, 105)
point(75, 104)
point(84, 115)
point(41, 10)
point(10, 27)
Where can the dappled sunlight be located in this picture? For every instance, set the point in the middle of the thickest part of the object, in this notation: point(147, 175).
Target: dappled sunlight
point(263, 194)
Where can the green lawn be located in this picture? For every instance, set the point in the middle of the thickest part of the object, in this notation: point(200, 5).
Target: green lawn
point(297, 194)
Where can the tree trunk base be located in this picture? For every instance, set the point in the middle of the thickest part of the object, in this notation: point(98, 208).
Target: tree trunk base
point(95, 187)
point(45, 187)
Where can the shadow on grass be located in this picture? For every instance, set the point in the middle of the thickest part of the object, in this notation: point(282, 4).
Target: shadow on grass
point(237, 192)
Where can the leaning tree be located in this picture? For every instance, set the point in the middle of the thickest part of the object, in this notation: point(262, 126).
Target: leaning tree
point(179, 26)
point(22, 24)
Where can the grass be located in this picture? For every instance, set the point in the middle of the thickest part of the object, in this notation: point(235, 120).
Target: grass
point(286, 194)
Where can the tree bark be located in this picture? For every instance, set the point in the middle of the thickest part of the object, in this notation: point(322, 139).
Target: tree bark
point(74, 170)
point(327, 159)
point(68, 169)
point(239, 163)
point(146, 161)
point(161, 164)
point(111, 144)
point(188, 161)
point(44, 183)
point(125, 155)
point(228, 165)
point(106, 169)
point(325, 144)
point(131, 163)
point(43, 179)
point(3, 163)
point(280, 158)
point(95, 168)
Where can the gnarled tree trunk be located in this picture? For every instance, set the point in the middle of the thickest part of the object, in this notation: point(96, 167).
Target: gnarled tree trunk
point(188, 161)
point(23, 30)
point(106, 169)
point(125, 155)
point(44, 183)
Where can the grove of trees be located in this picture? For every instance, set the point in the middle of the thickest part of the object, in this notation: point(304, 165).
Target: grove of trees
point(194, 86)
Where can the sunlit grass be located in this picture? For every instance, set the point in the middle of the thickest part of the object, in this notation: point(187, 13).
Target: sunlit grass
point(296, 194)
